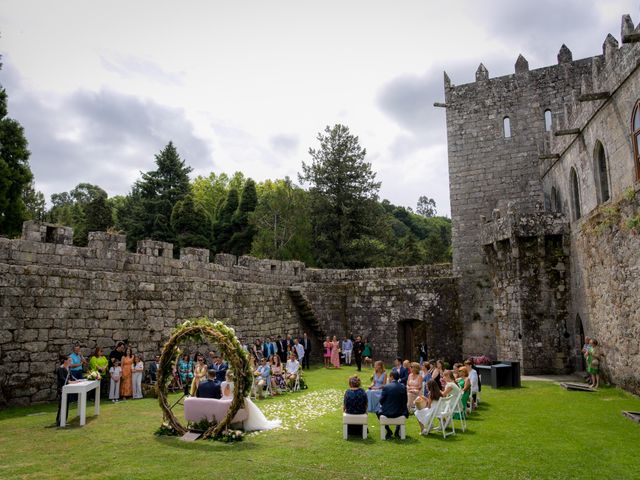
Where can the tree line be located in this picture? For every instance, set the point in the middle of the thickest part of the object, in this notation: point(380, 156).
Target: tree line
point(332, 217)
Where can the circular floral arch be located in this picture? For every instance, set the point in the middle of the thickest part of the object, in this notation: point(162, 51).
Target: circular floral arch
point(199, 330)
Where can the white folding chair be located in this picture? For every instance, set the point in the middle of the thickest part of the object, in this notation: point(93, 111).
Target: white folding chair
point(433, 414)
point(461, 411)
point(296, 385)
point(445, 416)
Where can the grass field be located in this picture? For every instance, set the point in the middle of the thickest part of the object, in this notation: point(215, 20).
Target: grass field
point(538, 431)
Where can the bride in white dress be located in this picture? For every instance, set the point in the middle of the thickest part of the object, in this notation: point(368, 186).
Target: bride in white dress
point(255, 419)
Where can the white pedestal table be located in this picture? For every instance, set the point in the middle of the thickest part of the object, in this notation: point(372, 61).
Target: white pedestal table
point(81, 388)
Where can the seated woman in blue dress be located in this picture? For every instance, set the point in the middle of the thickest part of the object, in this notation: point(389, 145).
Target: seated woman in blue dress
point(375, 389)
point(355, 403)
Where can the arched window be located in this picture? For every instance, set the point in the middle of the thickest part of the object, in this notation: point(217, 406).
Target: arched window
point(547, 120)
point(601, 173)
point(575, 194)
point(635, 128)
point(506, 127)
point(554, 199)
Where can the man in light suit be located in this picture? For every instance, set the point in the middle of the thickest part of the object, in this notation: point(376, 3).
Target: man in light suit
point(393, 402)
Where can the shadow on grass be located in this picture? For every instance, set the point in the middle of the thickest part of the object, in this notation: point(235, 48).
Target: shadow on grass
point(74, 423)
point(205, 445)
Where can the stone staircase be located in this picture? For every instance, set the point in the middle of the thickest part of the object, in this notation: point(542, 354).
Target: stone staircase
point(305, 312)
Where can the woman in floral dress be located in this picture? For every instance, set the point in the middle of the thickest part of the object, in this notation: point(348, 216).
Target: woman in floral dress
point(335, 352)
point(277, 374)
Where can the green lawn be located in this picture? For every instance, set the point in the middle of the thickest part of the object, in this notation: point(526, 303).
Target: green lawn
point(538, 431)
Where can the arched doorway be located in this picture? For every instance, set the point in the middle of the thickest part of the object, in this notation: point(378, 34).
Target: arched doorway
point(410, 334)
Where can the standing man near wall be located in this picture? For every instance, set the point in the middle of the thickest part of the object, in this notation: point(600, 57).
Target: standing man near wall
point(306, 343)
point(358, 348)
point(77, 363)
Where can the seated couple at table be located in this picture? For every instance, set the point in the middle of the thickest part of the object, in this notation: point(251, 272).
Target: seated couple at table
point(212, 388)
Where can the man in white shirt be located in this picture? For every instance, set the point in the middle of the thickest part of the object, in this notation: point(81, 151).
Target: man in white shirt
point(299, 350)
point(475, 383)
point(292, 369)
point(347, 348)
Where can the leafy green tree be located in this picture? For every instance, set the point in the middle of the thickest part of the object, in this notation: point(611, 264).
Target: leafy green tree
point(85, 209)
point(147, 211)
point(15, 174)
point(34, 203)
point(190, 224)
point(223, 227)
point(343, 197)
point(281, 219)
point(426, 207)
point(98, 214)
point(243, 231)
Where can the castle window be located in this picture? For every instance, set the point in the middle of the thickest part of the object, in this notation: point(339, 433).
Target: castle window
point(635, 128)
point(575, 194)
point(601, 173)
point(506, 127)
point(547, 120)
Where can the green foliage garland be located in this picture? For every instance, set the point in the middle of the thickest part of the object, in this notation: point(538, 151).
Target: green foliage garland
point(197, 330)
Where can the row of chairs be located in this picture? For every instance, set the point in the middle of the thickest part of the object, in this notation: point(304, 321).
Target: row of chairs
point(445, 411)
point(268, 387)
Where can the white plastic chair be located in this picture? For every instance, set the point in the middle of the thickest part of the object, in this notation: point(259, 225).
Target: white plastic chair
point(445, 415)
point(461, 410)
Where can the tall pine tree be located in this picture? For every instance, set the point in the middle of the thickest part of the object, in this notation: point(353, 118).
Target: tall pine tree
point(15, 174)
point(147, 211)
point(190, 224)
point(343, 198)
point(243, 231)
point(223, 227)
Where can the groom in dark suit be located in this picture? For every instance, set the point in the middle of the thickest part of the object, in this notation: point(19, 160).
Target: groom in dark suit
point(393, 401)
point(210, 388)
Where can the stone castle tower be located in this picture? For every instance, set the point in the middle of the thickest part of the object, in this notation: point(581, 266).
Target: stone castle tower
point(537, 159)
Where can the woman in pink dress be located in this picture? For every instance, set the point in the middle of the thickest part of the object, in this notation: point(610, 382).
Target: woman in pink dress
point(335, 352)
point(326, 356)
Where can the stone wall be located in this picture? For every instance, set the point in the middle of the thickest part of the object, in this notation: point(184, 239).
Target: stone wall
point(488, 170)
point(53, 294)
point(528, 258)
point(606, 257)
point(374, 302)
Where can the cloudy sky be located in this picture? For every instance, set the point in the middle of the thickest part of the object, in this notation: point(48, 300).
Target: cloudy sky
point(101, 87)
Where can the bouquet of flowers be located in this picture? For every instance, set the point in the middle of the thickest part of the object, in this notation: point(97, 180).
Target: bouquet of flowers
point(230, 436)
point(93, 375)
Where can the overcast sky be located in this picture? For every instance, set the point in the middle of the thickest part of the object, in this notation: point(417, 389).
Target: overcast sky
point(101, 87)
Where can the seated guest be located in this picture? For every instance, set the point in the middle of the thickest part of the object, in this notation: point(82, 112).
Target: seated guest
point(375, 389)
point(450, 386)
point(355, 403)
point(465, 385)
point(277, 374)
point(292, 367)
point(227, 386)
point(414, 385)
point(209, 388)
point(393, 402)
point(436, 373)
point(220, 366)
point(424, 405)
point(263, 377)
point(474, 380)
point(425, 373)
point(403, 373)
